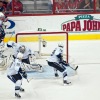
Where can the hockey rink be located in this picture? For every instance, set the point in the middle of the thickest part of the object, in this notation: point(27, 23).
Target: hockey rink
point(85, 85)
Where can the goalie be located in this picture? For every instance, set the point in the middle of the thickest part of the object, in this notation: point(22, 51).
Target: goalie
point(56, 61)
point(28, 55)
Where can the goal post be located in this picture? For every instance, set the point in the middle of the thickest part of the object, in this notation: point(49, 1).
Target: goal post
point(43, 42)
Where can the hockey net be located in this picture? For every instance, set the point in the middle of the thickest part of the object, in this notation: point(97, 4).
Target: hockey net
point(43, 43)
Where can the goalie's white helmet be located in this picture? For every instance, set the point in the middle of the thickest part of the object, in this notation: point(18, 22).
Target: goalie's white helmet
point(22, 49)
point(60, 45)
point(19, 55)
point(10, 44)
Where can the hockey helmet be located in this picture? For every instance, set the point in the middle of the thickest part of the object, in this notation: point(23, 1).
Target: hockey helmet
point(2, 17)
point(10, 44)
point(60, 45)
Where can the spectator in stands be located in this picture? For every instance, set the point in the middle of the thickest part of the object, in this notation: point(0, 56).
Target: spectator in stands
point(72, 5)
point(17, 7)
point(5, 2)
point(98, 5)
point(50, 4)
point(86, 5)
point(60, 6)
point(2, 8)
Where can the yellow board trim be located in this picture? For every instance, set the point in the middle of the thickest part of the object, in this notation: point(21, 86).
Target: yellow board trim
point(84, 37)
point(57, 38)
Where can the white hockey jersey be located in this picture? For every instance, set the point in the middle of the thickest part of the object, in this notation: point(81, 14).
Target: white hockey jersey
point(16, 49)
point(53, 57)
point(14, 67)
point(26, 53)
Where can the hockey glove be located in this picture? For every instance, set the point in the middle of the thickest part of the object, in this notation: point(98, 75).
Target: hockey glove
point(64, 63)
point(60, 57)
point(24, 75)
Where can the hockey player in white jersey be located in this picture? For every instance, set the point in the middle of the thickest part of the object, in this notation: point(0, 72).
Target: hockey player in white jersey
point(20, 48)
point(27, 55)
point(56, 61)
point(15, 73)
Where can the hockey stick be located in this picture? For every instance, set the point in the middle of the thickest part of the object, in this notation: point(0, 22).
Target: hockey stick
point(72, 68)
point(65, 64)
point(28, 80)
point(11, 36)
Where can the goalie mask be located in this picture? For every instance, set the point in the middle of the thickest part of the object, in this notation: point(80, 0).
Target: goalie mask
point(22, 49)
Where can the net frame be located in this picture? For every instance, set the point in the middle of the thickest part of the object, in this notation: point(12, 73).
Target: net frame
point(40, 33)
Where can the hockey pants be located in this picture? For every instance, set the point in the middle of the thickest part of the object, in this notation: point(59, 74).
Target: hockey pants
point(56, 66)
point(17, 79)
point(60, 68)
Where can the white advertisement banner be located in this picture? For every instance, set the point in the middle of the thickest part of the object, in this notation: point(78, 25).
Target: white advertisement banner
point(71, 23)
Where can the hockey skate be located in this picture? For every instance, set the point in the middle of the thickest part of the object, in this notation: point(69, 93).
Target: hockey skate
point(56, 75)
point(17, 95)
point(40, 68)
point(65, 82)
point(22, 90)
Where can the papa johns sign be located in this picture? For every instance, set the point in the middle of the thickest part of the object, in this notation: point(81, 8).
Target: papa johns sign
point(81, 23)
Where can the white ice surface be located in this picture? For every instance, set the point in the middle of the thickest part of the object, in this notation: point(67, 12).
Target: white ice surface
point(85, 85)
